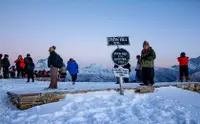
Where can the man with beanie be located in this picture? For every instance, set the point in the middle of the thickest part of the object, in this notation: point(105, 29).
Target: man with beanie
point(183, 67)
point(29, 67)
point(147, 63)
point(6, 65)
point(54, 63)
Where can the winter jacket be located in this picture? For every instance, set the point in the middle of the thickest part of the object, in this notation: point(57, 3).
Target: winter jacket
point(138, 66)
point(183, 61)
point(6, 63)
point(52, 60)
point(147, 58)
point(20, 63)
point(72, 67)
point(127, 66)
point(29, 65)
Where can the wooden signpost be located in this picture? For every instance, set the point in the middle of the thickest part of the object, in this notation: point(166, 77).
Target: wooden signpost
point(118, 41)
point(120, 57)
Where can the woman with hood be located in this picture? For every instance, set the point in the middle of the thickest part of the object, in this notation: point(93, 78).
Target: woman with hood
point(20, 65)
point(183, 65)
point(72, 67)
point(148, 56)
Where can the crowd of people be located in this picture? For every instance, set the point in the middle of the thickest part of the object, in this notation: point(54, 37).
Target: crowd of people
point(58, 70)
point(55, 63)
point(24, 67)
point(145, 66)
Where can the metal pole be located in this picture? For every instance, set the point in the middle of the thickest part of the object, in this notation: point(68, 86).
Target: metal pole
point(120, 85)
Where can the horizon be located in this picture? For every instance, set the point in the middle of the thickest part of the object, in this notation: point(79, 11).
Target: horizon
point(79, 29)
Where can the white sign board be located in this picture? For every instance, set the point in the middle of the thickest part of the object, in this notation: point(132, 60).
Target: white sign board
point(121, 72)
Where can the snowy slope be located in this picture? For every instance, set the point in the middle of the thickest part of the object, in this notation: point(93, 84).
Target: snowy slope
point(164, 106)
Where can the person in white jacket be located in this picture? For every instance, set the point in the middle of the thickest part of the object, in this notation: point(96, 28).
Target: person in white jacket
point(138, 69)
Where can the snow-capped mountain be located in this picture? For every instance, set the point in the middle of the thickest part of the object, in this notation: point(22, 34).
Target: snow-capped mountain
point(98, 73)
point(41, 65)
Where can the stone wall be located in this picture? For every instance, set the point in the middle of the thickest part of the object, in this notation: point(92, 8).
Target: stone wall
point(25, 101)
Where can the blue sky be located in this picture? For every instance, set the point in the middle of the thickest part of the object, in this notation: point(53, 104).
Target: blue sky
point(79, 28)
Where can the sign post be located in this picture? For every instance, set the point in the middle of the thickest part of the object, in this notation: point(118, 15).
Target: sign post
point(120, 57)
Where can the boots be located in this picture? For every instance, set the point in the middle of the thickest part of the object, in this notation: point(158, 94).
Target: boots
point(181, 79)
point(187, 79)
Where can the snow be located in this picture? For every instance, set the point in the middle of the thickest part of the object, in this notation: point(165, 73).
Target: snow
point(167, 105)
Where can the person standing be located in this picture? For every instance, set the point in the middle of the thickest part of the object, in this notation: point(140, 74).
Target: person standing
point(117, 78)
point(138, 76)
point(72, 67)
point(29, 67)
point(1, 66)
point(20, 66)
point(12, 72)
point(6, 65)
point(127, 66)
point(183, 67)
point(54, 63)
point(147, 62)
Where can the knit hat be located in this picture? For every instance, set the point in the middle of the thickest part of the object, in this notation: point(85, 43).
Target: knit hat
point(28, 55)
point(145, 43)
point(183, 54)
point(54, 47)
point(6, 55)
point(138, 56)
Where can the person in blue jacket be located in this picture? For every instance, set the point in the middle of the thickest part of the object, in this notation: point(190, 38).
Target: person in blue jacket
point(72, 68)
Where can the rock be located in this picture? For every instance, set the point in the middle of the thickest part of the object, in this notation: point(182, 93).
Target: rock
point(144, 89)
point(25, 101)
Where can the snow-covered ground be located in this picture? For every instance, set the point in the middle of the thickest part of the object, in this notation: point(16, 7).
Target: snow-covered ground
point(165, 106)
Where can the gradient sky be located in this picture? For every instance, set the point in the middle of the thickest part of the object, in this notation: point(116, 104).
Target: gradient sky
point(78, 28)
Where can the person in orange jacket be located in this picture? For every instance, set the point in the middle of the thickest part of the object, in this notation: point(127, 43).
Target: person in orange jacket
point(183, 63)
point(20, 65)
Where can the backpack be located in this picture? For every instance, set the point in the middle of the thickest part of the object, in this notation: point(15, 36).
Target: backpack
point(31, 66)
point(59, 61)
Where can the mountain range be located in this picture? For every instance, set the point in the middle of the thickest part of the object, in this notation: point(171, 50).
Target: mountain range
point(98, 73)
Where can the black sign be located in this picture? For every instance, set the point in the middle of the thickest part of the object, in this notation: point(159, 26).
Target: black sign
point(120, 57)
point(118, 41)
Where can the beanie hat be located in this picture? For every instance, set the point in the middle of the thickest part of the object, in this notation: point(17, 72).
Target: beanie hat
point(28, 55)
point(6, 55)
point(183, 54)
point(54, 47)
point(145, 43)
point(138, 56)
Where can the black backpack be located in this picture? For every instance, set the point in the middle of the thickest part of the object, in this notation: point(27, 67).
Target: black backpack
point(59, 61)
point(31, 66)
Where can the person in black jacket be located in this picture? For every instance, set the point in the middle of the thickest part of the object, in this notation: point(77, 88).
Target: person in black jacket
point(6, 65)
point(54, 63)
point(127, 66)
point(29, 67)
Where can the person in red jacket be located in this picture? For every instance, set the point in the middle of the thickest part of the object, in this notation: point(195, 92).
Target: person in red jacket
point(183, 63)
point(20, 65)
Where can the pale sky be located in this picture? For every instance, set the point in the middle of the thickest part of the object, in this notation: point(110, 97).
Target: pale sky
point(78, 28)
